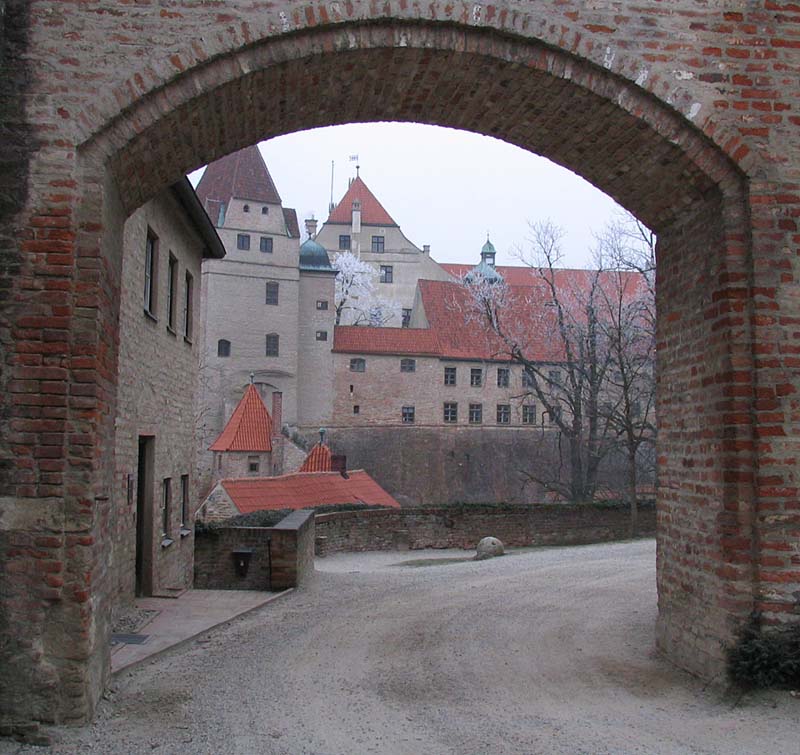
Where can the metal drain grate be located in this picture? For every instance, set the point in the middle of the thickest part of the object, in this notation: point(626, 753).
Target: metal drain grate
point(129, 639)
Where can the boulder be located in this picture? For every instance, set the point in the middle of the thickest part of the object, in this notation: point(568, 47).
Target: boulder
point(489, 547)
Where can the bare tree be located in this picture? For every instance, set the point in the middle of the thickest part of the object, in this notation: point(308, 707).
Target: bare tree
point(627, 249)
point(553, 331)
point(355, 296)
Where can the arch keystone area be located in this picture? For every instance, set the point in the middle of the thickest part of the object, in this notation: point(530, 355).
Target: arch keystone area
point(687, 115)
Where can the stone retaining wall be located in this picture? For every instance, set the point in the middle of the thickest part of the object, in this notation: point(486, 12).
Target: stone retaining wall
point(463, 527)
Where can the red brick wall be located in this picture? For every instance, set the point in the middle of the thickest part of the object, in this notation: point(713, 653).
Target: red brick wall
point(686, 113)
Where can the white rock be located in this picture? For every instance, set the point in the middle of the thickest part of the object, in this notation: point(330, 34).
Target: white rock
point(489, 547)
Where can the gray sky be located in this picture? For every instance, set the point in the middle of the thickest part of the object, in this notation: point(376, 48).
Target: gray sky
point(443, 187)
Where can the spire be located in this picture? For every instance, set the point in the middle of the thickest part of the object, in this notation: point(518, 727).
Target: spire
point(485, 269)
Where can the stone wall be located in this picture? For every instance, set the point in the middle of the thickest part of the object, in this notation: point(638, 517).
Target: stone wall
point(424, 466)
point(282, 556)
point(464, 526)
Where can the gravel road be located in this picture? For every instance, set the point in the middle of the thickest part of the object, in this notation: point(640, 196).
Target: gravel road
point(540, 651)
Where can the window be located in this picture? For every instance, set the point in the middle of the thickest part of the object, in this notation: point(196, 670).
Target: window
point(554, 376)
point(358, 365)
point(150, 271)
point(167, 505)
point(387, 273)
point(322, 304)
point(377, 243)
point(188, 306)
point(408, 415)
point(503, 414)
point(344, 242)
point(253, 464)
point(450, 411)
point(475, 414)
point(502, 377)
point(528, 414)
point(243, 241)
point(406, 318)
point(223, 348)
point(476, 377)
point(246, 208)
point(408, 365)
point(449, 375)
point(273, 341)
point(527, 379)
point(172, 284)
point(272, 292)
point(322, 335)
point(356, 409)
point(265, 244)
point(265, 210)
point(184, 500)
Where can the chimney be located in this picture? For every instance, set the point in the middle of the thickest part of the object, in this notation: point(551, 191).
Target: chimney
point(277, 413)
point(356, 216)
point(426, 249)
point(311, 227)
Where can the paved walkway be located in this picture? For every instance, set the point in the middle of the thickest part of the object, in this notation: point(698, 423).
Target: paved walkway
point(180, 619)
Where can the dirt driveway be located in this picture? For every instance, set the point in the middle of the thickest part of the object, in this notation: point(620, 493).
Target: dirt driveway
point(541, 651)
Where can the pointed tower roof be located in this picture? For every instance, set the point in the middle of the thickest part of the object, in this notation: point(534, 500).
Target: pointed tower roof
point(319, 459)
point(241, 174)
point(249, 428)
point(372, 211)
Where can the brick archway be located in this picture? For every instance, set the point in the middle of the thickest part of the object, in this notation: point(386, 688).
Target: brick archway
point(594, 92)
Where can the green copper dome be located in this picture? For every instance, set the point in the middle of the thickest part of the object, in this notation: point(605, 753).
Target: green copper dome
point(313, 256)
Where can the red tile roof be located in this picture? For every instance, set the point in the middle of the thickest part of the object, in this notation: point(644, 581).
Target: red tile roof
point(241, 174)
point(372, 211)
point(455, 331)
point(249, 428)
point(292, 226)
point(318, 460)
point(304, 490)
point(360, 340)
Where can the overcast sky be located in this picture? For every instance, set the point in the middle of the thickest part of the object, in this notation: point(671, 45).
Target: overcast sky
point(443, 187)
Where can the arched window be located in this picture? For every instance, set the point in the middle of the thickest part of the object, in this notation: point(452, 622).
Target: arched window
point(272, 349)
point(223, 348)
point(246, 208)
point(264, 210)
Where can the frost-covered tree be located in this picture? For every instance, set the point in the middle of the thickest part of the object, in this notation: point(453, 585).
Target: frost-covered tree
point(357, 300)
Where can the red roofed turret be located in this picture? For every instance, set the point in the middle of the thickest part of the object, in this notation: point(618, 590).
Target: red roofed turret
point(249, 428)
point(319, 459)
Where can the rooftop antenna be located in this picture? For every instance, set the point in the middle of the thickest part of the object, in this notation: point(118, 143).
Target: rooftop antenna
point(330, 206)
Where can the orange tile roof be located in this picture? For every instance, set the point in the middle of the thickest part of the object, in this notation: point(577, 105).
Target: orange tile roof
point(455, 333)
point(241, 174)
point(318, 460)
point(357, 339)
point(249, 428)
point(372, 211)
point(304, 490)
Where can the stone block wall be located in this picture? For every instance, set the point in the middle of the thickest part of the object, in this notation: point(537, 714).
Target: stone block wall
point(463, 527)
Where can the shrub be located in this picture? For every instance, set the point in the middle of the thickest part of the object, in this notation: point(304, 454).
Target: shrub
point(764, 659)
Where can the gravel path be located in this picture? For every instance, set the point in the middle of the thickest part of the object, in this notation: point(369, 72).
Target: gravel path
point(541, 651)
